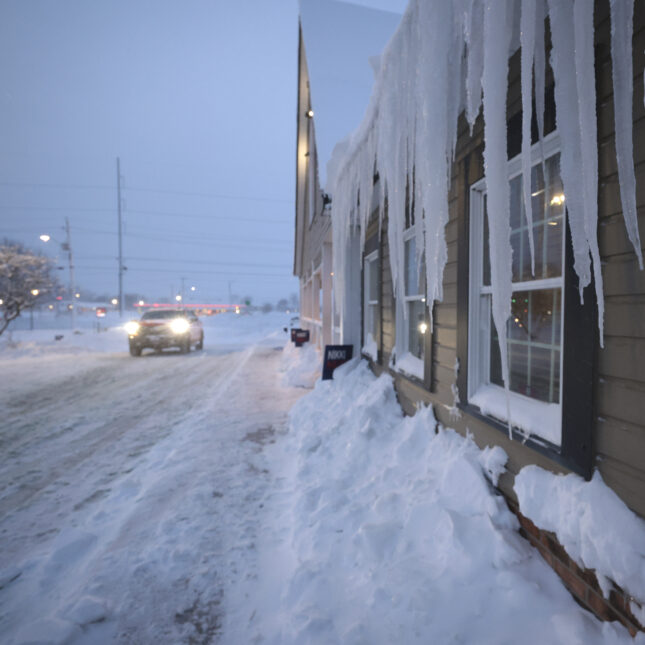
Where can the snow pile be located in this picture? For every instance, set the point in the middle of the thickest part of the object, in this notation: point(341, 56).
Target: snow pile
point(300, 366)
point(392, 533)
point(370, 348)
point(437, 63)
point(592, 523)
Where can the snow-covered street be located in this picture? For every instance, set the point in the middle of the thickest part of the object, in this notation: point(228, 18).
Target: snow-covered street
point(132, 488)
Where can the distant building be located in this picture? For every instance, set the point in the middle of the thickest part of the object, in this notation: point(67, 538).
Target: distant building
point(336, 41)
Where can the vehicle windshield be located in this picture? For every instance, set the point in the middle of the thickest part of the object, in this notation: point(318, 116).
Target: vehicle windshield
point(163, 314)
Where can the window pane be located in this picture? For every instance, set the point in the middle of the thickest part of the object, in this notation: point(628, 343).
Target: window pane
point(373, 280)
point(411, 268)
point(518, 364)
point(543, 386)
point(521, 256)
point(517, 207)
point(533, 340)
point(417, 327)
point(370, 327)
point(486, 257)
point(548, 211)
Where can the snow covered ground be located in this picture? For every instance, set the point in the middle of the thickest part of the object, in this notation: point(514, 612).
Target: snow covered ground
point(385, 532)
point(132, 489)
point(174, 499)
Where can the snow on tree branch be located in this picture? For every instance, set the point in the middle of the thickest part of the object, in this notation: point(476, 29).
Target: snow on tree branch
point(25, 278)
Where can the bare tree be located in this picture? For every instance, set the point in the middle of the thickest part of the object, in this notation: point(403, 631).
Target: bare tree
point(25, 278)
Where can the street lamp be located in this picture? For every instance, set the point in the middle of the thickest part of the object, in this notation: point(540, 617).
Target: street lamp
point(114, 301)
point(34, 293)
point(66, 246)
point(178, 297)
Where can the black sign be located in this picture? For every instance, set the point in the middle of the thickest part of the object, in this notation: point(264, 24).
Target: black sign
point(300, 336)
point(335, 356)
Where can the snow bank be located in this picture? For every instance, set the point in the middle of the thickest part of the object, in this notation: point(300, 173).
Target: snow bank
point(392, 533)
point(592, 523)
point(300, 366)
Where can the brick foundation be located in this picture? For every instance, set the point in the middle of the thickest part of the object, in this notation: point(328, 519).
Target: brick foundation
point(582, 583)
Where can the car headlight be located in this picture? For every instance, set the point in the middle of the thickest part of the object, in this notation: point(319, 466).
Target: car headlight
point(179, 326)
point(132, 327)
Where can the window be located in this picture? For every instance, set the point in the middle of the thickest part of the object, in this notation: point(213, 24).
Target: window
point(535, 329)
point(412, 323)
point(371, 302)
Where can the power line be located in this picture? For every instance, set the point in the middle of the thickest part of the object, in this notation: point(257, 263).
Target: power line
point(201, 271)
point(202, 240)
point(210, 217)
point(212, 195)
point(141, 189)
point(137, 211)
point(182, 261)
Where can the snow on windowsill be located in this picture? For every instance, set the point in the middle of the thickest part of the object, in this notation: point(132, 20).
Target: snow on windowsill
point(370, 348)
point(410, 365)
point(535, 417)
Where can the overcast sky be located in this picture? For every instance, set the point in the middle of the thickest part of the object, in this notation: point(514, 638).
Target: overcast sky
point(196, 97)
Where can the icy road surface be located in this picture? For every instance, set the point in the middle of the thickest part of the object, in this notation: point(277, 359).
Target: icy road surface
point(131, 490)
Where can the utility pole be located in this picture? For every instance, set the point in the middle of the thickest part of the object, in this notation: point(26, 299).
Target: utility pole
point(183, 282)
point(72, 284)
point(118, 190)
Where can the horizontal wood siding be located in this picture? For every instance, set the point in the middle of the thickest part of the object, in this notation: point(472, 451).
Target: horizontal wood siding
point(619, 381)
point(619, 390)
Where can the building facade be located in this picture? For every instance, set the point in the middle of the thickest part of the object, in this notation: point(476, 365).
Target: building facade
point(574, 402)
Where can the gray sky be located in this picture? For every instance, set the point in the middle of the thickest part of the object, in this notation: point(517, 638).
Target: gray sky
point(196, 97)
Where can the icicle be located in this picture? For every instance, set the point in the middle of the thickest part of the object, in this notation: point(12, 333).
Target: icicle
point(475, 45)
point(539, 70)
point(494, 83)
point(622, 12)
point(455, 65)
point(566, 98)
point(435, 139)
point(527, 37)
point(586, 86)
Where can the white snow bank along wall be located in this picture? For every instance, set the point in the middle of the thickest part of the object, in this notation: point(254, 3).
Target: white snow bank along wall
point(592, 523)
point(395, 534)
point(437, 63)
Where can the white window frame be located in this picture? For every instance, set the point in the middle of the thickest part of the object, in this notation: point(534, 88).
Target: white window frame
point(479, 386)
point(370, 307)
point(406, 362)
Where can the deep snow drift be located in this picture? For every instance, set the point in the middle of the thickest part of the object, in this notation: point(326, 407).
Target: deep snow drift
point(385, 532)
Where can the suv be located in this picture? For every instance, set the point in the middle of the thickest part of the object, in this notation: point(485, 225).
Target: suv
point(161, 328)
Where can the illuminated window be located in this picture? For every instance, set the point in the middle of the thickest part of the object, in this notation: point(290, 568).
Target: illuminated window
point(535, 328)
